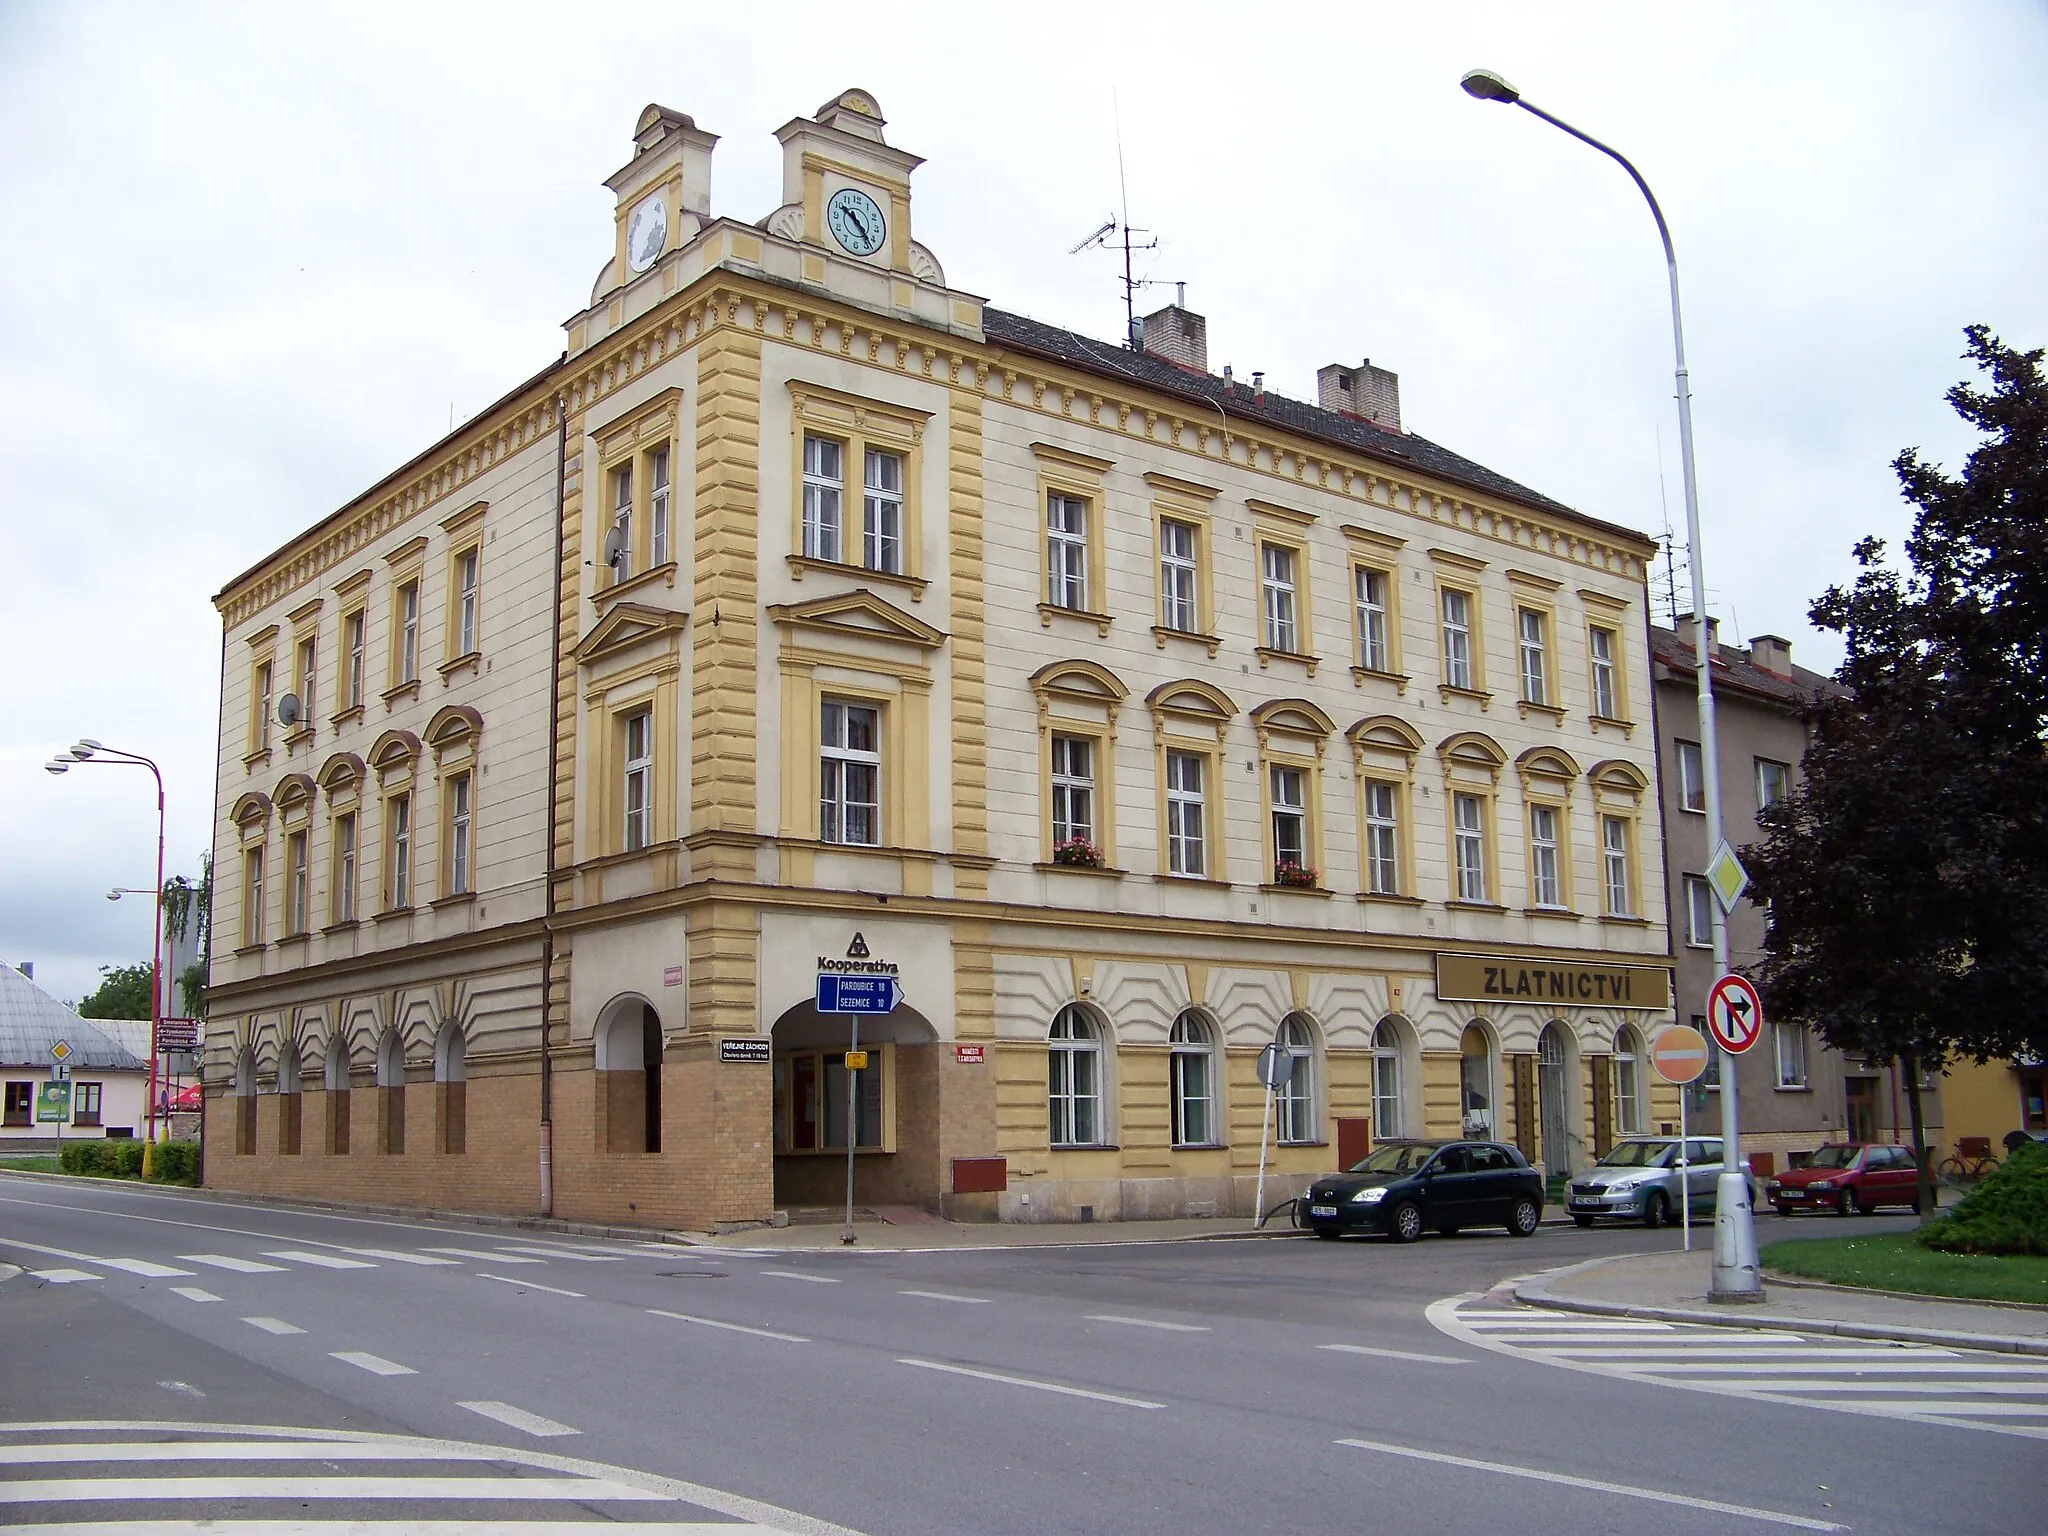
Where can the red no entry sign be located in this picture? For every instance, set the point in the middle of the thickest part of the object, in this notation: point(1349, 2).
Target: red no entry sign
point(1735, 1014)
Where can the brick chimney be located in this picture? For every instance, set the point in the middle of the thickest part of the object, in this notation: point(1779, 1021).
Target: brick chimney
point(1773, 653)
point(1178, 335)
point(1685, 634)
point(1369, 393)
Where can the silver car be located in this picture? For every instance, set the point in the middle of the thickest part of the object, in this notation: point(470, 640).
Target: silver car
point(1638, 1181)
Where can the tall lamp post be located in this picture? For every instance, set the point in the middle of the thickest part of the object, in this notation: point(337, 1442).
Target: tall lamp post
point(86, 750)
point(1736, 1276)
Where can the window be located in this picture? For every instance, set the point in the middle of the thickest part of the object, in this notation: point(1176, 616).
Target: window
point(1791, 1040)
point(1193, 1047)
point(408, 633)
point(1532, 631)
point(1546, 888)
point(398, 851)
point(308, 677)
point(1628, 1104)
point(1276, 571)
point(85, 1103)
point(1468, 836)
point(882, 517)
point(1382, 839)
point(466, 569)
point(21, 1103)
point(1373, 652)
point(352, 632)
point(657, 507)
point(638, 831)
point(1699, 912)
point(345, 867)
point(1179, 571)
point(1457, 611)
point(1066, 551)
point(259, 732)
point(1290, 826)
point(458, 835)
point(1294, 1106)
point(1773, 782)
point(823, 487)
point(850, 774)
point(1615, 860)
point(1074, 1079)
point(1185, 814)
point(1606, 693)
point(1387, 1119)
point(1073, 789)
point(622, 521)
point(252, 895)
point(295, 893)
point(1711, 1076)
point(1692, 778)
point(815, 1119)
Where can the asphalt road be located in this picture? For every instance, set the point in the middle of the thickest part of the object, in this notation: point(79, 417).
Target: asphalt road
point(480, 1378)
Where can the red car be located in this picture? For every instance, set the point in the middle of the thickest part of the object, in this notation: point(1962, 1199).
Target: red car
point(1848, 1178)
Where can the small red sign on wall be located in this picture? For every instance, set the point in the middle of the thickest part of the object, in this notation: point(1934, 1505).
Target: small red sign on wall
point(968, 1053)
point(672, 977)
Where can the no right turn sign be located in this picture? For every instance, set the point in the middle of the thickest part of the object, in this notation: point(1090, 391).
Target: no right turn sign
point(1735, 1014)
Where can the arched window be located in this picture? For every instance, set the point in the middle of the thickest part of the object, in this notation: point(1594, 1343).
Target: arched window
point(1295, 1102)
point(1073, 1072)
point(288, 1100)
point(1388, 1121)
point(1628, 1103)
point(1195, 1119)
point(335, 1078)
point(1554, 1099)
point(245, 1103)
point(451, 1087)
point(1475, 1080)
point(629, 1046)
point(391, 1094)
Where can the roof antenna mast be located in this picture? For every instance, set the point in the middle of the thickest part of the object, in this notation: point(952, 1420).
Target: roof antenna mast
point(1113, 226)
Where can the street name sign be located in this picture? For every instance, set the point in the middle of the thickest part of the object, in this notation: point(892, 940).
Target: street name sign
point(858, 994)
point(1679, 1054)
point(1735, 1014)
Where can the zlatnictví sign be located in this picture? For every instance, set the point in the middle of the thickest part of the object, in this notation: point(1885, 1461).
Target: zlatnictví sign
point(1510, 979)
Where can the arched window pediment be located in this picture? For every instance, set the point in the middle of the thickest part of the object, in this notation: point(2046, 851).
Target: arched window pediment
point(342, 771)
point(1190, 699)
point(454, 726)
point(1080, 679)
point(1546, 763)
point(250, 809)
point(394, 750)
point(293, 794)
point(1623, 778)
point(1297, 717)
point(1386, 733)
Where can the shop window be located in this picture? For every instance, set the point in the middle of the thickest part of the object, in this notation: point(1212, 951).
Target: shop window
point(813, 1088)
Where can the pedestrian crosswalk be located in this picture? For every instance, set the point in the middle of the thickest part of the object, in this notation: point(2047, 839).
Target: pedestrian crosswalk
point(1973, 1389)
point(112, 1478)
point(43, 1262)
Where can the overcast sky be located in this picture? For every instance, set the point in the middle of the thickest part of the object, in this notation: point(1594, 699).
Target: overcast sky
point(254, 258)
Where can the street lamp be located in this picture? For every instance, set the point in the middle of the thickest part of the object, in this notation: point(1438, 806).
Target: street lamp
point(1736, 1276)
point(86, 750)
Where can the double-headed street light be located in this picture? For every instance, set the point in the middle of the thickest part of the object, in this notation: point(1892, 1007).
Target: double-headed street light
point(94, 753)
point(1736, 1275)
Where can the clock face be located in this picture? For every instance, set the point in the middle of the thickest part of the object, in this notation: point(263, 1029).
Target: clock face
point(855, 221)
point(646, 233)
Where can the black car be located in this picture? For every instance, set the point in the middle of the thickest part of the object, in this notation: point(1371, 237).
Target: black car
point(1406, 1187)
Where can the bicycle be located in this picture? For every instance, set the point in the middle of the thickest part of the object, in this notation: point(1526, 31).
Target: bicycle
point(1971, 1159)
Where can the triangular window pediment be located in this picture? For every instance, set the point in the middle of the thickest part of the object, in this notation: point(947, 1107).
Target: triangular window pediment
point(626, 626)
point(859, 614)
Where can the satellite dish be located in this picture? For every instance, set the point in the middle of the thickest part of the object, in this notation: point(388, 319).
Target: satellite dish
point(615, 547)
point(288, 711)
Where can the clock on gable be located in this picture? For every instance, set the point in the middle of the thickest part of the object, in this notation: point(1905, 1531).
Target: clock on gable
point(856, 221)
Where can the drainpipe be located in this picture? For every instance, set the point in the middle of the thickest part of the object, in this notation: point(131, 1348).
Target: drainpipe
point(547, 934)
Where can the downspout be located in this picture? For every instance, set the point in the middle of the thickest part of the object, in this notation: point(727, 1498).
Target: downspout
point(547, 934)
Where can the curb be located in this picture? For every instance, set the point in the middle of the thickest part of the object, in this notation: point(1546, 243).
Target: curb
point(1536, 1292)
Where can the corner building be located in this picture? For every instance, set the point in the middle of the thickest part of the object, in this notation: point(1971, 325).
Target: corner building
point(810, 615)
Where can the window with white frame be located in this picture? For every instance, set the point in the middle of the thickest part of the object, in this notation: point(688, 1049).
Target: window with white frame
point(1692, 778)
point(1193, 1047)
point(1547, 888)
point(1073, 789)
point(458, 835)
point(1773, 782)
point(1179, 573)
point(1276, 570)
point(465, 598)
point(398, 851)
point(353, 628)
point(1614, 858)
point(1186, 828)
point(1073, 1071)
point(1288, 787)
point(1066, 551)
point(850, 774)
point(1382, 838)
point(295, 892)
point(1388, 1119)
point(638, 799)
point(345, 867)
point(1294, 1102)
point(1468, 836)
point(1534, 643)
point(308, 679)
point(622, 520)
point(1791, 1041)
point(1606, 694)
point(1373, 652)
point(657, 507)
point(882, 511)
point(1457, 627)
point(409, 632)
point(265, 685)
point(824, 494)
point(1628, 1082)
point(1699, 912)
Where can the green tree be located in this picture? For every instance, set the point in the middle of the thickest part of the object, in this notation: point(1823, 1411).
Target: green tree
point(186, 901)
point(123, 993)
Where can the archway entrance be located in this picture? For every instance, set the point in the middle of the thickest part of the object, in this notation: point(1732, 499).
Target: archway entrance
point(895, 1119)
point(1475, 1081)
point(1553, 1089)
point(628, 1059)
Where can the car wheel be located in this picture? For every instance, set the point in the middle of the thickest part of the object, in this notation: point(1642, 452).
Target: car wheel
point(1582, 1221)
point(1527, 1218)
point(1784, 1210)
point(1329, 1233)
point(1406, 1226)
point(1656, 1209)
point(1846, 1204)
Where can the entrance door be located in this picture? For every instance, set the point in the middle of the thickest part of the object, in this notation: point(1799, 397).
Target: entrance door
point(1475, 1082)
point(1552, 1089)
point(1862, 1116)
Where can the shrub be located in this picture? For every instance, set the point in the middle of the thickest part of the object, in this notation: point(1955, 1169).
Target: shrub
point(177, 1162)
point(2006, 1213)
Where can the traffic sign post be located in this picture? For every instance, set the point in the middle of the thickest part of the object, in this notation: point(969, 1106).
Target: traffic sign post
point(1276, 1066)
point(1678, 1055)
point(854, 995)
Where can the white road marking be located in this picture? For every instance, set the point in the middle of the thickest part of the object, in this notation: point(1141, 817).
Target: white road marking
point(193, 1293)
point(376, 1365)
point(1595, 1485)
point(1658, 1355)
point(398, 1257)
point(153, 1489)
point(149, 1269)
point(1035, 1385)
point(1768, 1385)
point(63, 1276)
point(276, 1325)
point(1146, 1322)
point(1960, 1408)
point(185, 1387)
point(794, 1274)
point(1904, 1367)
point(319, 1260)
point(388, 1528)
point(712, 1322)
point(480, 1253)
point(1503, 1320)
point(530, 1285)
point(565, 1253)
point(1396, 1354)
point(976, 1301)
point(234, 1450)
point(519, 1418)
point(229, 1261)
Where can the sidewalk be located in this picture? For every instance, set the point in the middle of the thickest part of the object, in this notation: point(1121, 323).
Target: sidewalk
point(876, 1236)
point(1672, 1287)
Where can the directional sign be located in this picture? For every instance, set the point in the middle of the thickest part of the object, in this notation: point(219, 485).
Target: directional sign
point(1735, 1014)
point(177, 1035)
point(1726, 877)
point(1679, 1054)
point(858, 994)
point(53, 1102)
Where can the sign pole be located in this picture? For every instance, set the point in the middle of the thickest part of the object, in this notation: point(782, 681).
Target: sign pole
point(1684, 1171)
point(852, 1123)
point(1259, 1198)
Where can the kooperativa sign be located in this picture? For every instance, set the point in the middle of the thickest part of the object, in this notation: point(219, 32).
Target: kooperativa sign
point(1508, 979)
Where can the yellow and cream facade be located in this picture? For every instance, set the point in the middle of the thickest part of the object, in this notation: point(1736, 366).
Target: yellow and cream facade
point(811, 615)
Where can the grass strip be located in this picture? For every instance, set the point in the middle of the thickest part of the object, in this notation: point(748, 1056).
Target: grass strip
point(1895, 1262)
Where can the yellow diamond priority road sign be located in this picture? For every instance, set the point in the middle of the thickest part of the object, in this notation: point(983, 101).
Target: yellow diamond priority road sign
point(61, 1051)
point(1727, 877)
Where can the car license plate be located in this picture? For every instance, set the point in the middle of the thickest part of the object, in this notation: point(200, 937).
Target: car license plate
point(1322, 1210)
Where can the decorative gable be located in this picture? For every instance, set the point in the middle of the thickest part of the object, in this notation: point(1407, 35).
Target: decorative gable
point(859, 615)
point(625, 628)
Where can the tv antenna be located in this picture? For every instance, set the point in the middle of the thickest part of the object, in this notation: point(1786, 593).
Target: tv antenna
point(1117, 231)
